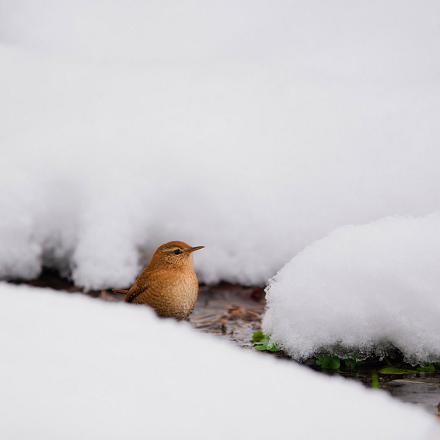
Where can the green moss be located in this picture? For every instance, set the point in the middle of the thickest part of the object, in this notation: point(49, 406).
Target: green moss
point(328, 362)
point(263, 342)
point(375, 383)
point(396, 370)
point(426, 368)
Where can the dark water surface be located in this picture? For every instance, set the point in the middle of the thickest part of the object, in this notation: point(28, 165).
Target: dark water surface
point(235, 313)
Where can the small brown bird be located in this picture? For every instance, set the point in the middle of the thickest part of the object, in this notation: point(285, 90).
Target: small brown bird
point(169, 283)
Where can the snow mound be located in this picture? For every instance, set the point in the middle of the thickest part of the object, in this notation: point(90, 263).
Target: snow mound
point(73, 367)
point(362, 288)
point(249, 127)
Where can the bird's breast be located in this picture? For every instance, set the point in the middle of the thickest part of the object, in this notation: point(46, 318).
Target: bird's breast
point(173, 293)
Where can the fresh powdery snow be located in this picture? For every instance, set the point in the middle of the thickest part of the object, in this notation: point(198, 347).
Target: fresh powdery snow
point(250, 127)
point(76, 368)
point(361, 289)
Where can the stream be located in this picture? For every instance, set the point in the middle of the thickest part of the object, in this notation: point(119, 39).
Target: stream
point(235, 312)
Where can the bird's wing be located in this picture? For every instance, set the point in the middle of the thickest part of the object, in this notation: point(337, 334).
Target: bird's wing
point(120, 291)
point(134, 291)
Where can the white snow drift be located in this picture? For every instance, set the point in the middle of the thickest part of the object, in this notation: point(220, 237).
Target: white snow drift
point(362, 287)
point(249, 127)
point(72, 367)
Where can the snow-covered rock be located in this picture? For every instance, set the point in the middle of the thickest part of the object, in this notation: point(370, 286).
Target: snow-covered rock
point(362, 288)
point(76, 368)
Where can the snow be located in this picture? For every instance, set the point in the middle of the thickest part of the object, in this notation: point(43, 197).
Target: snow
point(73, 367)
point(362, 288)
point(250, 128)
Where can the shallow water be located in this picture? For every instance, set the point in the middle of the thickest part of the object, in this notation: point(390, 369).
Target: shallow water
point(234, 313)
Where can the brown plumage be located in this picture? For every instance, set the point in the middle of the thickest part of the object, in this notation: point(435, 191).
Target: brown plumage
point(169, 283)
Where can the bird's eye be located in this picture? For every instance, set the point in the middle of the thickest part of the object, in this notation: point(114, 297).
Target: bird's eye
point(177, 251)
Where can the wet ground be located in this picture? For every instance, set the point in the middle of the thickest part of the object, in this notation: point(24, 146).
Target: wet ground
point(234, 313)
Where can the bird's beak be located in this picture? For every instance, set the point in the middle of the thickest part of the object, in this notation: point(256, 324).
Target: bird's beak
point(195, 248)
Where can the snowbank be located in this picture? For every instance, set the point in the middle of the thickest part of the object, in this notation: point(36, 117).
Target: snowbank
point(73, 367)
point(362, 287)
point(248, 127)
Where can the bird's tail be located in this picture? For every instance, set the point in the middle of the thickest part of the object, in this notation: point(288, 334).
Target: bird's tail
point(120, 291)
